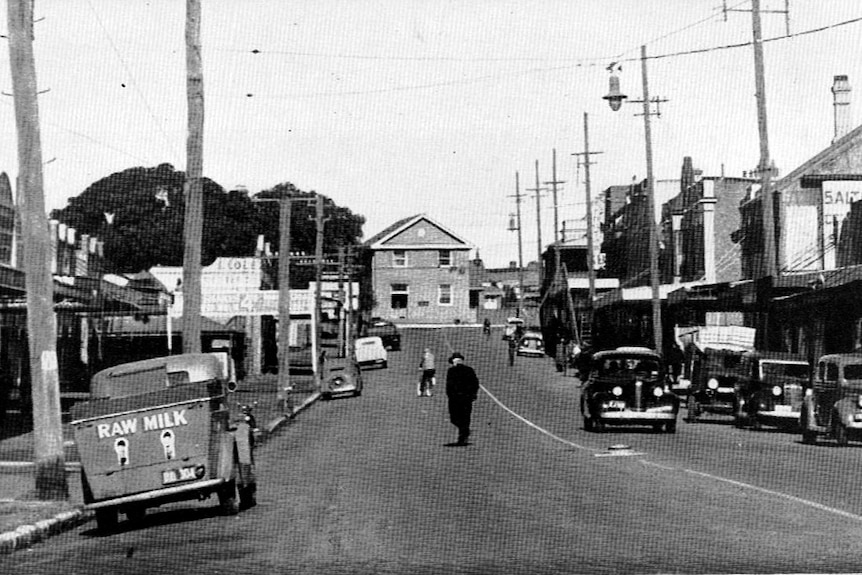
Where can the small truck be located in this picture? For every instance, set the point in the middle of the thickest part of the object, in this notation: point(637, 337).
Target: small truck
point(162, 430)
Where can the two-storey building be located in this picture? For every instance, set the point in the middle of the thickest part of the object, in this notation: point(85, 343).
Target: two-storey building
point(420, 273)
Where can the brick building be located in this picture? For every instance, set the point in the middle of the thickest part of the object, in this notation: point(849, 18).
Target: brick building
point(420, 273)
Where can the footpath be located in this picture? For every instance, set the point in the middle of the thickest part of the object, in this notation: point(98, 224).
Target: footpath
point(24, 520)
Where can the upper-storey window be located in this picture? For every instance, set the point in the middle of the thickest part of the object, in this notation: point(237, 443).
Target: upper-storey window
point(444, 258)
point(399, 258)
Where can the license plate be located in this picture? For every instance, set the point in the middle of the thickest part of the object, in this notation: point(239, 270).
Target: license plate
point(783, 409)
point(615, 404)
point(177, 475)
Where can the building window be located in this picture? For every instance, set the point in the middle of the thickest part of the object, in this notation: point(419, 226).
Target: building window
point(399, 295)
point(444, 258)
point(399, 258)
point(444, 294)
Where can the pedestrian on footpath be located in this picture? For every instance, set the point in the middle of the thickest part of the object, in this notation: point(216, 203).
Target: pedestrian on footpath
point(428, 378)
point(462, 387)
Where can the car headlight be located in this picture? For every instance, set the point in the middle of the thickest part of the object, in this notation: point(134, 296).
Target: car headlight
point(657, 391)
point(617, 390)
point(859, 401)
point(712, 383)
point(338, 382)
point(776, 390)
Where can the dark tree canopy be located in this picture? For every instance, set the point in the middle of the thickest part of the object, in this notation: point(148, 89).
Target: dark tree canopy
point(139, 214)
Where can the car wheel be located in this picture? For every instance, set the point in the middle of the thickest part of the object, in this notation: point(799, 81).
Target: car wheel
point(670, 426)
point(136, 513)
point(809, 436)
point(598, 425)
point(693, 409)
point(248, 496)
point(106, 519)
point(657, 427)
point(385, 364)
point(840, 434)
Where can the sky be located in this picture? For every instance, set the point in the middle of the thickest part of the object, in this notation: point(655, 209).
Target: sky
point(399, 107)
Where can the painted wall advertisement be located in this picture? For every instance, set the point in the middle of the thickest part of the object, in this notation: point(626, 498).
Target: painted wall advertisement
point(837, 197)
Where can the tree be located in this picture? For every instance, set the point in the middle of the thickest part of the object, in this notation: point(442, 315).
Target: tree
point(139, 214)
point(342, 227)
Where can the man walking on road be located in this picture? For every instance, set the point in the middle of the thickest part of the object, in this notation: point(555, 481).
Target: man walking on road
point(513, 346)
point(462, 386)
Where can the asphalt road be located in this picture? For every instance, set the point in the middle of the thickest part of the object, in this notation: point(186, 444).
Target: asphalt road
point(371, 485)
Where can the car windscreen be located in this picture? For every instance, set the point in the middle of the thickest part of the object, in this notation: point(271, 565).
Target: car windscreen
point(785, 370)
point(628, 365)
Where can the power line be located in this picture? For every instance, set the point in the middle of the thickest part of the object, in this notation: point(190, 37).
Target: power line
point(132, 81)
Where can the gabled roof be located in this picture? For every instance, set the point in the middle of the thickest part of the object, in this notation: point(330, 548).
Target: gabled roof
point(390, 230)
point(840, 146)
point(378, 240)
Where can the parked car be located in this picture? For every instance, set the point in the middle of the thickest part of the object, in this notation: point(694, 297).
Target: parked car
point(718, 380)
point(341, 376)
point(775, 390)
point(513, 325)
point(386, 331)
point(162, 430)
point(531, 344)
point(833, 405)
point(371, 351)
point(626, 386)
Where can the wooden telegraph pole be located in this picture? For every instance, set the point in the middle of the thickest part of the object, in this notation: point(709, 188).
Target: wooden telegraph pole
point(193, 224)
point(50, 476)
point(538, 191)
point(591, 272)
point(284, 215)
point(318, 277)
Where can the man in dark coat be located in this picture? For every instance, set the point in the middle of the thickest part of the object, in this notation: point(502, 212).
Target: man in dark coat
point(462, 386)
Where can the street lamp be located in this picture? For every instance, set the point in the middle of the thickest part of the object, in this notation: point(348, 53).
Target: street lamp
point(614, 96)
point(615, 99)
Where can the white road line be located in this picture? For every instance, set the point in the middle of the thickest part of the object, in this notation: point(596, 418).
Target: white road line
point(763, 490)
point(534, 426)
point(793, 498)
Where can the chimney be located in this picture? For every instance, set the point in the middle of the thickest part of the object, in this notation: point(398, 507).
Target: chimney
point(841, 103)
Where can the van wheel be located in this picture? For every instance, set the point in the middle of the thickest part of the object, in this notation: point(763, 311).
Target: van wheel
point(136, 514)
point(809, 437)
point(229, 498)
point(840, 435)
point(248, 496)
point(106, 519)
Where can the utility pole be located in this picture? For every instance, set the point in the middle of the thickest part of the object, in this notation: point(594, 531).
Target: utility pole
point(553, 183)
point(538, 191)
point(318, 277)
point(652, 236)
point(517, 197)
point(193, 224)
point(769, 264)
point(348, 328)
point(341, 349)
point(591, 271)
point(50, 475)
point(284, 215)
